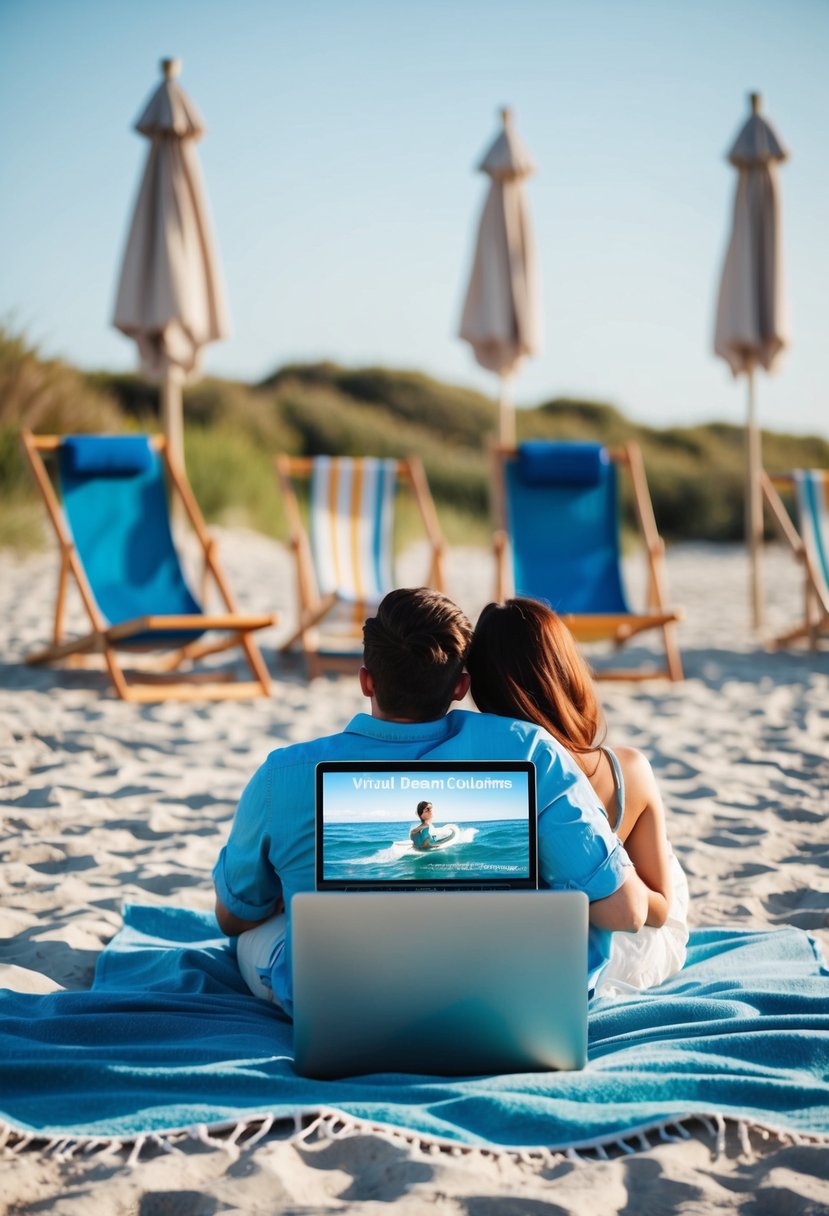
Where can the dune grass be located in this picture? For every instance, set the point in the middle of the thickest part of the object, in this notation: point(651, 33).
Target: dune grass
point(233, 430)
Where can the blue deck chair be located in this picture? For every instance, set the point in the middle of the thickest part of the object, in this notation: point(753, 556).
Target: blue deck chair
point(809, 539)
point(109, 507)
point(557, 517)
point(344, 556)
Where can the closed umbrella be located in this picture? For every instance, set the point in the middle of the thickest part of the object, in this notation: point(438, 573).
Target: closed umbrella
point(751, 328)
point(501, 315)
point(170, 295)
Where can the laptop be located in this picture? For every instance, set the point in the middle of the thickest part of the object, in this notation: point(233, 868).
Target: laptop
point(439, 983)
point(444, 960)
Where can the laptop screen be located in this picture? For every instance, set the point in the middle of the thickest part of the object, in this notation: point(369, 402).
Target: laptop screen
point(437, 825)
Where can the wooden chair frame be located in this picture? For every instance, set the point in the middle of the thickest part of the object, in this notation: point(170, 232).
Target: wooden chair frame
point(815, 623)
point(103, 639)
point(618, 628)
point(312, 607)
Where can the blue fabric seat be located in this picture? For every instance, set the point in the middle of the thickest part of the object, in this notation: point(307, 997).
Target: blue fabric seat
point(115, 500)
point(561, 526)
point(113, 525)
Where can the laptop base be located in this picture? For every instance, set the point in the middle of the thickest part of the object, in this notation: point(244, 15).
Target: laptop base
point(433, 984)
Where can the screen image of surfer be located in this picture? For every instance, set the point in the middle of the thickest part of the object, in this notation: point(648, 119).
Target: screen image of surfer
point(393, 827)
point(424, 836)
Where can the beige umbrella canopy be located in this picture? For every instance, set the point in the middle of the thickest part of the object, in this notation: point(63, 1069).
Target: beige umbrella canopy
point(170, 295)
point(501, 315)
point(751, 329)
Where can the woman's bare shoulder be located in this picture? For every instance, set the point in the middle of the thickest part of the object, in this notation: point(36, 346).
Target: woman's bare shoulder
point(640, 781)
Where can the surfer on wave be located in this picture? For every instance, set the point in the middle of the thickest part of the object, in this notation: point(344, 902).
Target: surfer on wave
point(422, 834)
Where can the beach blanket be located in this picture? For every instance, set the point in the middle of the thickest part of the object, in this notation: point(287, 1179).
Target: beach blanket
point(167, 1040)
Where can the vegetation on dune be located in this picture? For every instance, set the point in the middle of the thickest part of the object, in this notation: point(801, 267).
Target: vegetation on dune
point(446, 412)
point(44, 395)
point(233, 430)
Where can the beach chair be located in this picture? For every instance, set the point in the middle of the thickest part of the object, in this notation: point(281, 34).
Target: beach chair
point(557, 518)
point(107, 499)
point(809, 541)
point(344, 556)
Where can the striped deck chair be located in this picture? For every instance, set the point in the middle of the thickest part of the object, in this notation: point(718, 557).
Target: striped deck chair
point(809, 540)
point(557, 519)
point(107, 501)
point(344, 557)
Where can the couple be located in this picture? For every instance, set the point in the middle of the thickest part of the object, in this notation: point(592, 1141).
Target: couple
point(537, 704)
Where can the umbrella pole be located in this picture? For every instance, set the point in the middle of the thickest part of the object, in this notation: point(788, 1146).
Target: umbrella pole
point(506, 416)
point(173, 427)
point(171, 414)
point(754, 507)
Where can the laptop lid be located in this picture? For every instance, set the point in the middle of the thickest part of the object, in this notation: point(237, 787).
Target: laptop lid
point(434, 984)
point(479, 830)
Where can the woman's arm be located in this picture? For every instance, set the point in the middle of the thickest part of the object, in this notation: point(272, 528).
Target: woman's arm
point(231, 924)
point(624, 911)
point(643, 832)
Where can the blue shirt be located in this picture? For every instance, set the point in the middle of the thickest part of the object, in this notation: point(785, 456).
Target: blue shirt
point(270, 850)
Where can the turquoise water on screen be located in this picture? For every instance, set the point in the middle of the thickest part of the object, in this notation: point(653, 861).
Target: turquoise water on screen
point(383, 852)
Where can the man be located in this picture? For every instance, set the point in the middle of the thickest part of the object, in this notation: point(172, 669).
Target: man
point(414, 652)
point(422, 835)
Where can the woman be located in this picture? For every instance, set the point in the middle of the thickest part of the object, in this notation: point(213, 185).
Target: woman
point(524, 663)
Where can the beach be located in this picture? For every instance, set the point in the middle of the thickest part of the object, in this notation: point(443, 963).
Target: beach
point(106, 803)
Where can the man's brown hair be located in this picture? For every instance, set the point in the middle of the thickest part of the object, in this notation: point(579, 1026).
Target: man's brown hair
point(415, 650)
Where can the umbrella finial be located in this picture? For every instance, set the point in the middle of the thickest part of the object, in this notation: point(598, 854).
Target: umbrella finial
point(756, 100)
point(506, 115)
point(171, 68)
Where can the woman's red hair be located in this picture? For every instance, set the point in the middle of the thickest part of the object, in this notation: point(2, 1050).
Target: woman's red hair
point(524, 663)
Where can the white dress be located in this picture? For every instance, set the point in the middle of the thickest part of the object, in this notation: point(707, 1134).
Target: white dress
point(640, 960)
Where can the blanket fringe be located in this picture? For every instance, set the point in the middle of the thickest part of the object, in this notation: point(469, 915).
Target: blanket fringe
point(745, 1142)
point(313, 1129)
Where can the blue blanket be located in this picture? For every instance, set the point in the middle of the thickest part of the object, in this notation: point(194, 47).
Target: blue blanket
point(167, 1039)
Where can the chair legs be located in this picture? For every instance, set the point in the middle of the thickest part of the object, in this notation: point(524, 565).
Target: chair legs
point(815, 622)
point(163, 682)
point(672, 652)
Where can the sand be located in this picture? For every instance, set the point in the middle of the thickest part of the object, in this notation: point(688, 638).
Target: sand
point(105, 803)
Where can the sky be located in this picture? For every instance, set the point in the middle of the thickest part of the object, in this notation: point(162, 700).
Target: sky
point(346, 801)
point(340, 163)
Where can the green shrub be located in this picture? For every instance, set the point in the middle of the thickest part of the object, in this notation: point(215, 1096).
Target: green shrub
point(233, 478)
point(328, 425)
point(233, 430)
point(459, 414)
point(47, 395)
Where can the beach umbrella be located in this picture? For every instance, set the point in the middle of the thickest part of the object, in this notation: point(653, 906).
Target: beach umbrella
point(170, 296)
point(501, 315)
point(751, 329)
